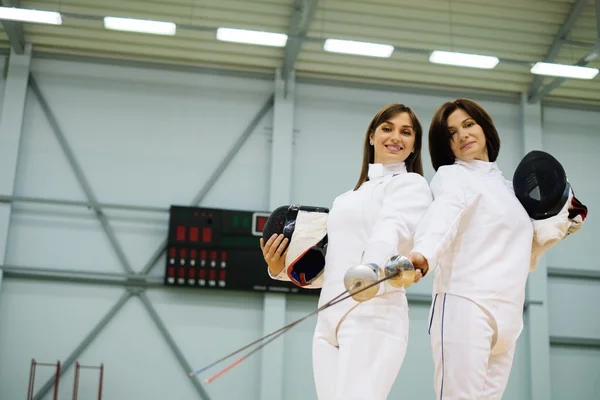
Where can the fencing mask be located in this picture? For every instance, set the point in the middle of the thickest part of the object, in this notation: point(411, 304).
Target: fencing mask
point(305, 227)
point(540, 183)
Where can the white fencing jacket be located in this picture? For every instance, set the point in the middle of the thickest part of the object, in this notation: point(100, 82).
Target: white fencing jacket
point(370, 224)
point(476, 236)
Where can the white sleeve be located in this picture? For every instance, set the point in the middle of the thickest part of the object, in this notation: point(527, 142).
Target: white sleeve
point(439, 227)
point(548, 232)
point(282, 276)
point(406, 199)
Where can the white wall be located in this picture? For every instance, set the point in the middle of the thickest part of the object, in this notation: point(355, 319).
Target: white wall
point(569, 365)
point(153, 138)
point(144, 138)
point(573, 137)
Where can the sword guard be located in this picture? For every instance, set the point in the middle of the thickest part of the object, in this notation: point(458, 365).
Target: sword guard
point(401, 271)
point(359, 277)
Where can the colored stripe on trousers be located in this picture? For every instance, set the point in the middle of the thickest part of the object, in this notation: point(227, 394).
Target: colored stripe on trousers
point(442, 330)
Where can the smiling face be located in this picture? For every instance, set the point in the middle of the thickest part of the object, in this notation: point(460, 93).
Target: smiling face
point(462, 129)
point(394, 135)
point(394, 139)
point(467, 139)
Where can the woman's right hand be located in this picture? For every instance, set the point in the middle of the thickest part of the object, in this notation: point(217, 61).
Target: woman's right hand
point(420, 262)
point(274, 252)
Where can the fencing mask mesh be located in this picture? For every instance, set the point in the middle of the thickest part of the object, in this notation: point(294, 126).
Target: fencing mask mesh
point(540, 183)
point(305, 227)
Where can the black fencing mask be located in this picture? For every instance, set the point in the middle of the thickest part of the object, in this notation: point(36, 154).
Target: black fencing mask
point(305, 227)
point(540, 183)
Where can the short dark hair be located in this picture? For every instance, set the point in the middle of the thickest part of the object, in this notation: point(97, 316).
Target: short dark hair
point(439, 134)
point(413, 162)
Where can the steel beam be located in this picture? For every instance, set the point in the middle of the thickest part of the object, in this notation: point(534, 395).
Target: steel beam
point(572, 273)
point(578, 43)
point(274, 304)
point(79, 174)
point(86, 342)
point(76, 203)
point(219, 169)
point(576, 10)
point(14, 29)
point(483, 94)
point(302, 16)
point(85, 277)
point(130, 281)
point(11, 126)
point(513, 98)
point(568, 105)
point(569, 341)
point(176, 351)
point(282, 144)
point(537, 285)
point(597, 7)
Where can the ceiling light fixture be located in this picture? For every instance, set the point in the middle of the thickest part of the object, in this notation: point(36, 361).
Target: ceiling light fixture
point(565, 71)
point(140, 26)
point(463, 59)
point(28, 15)
point(358, 48)
point(245, 36)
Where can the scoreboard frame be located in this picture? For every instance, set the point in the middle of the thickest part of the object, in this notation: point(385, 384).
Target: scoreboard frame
point(219, 249)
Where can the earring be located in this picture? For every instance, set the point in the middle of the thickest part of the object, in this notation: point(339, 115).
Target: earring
point(371, 142)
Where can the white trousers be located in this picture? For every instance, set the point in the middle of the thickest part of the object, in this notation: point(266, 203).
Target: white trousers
point(359, 356)
point(473, 348)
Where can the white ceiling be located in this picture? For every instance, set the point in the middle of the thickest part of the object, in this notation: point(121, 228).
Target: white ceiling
point(520, 32)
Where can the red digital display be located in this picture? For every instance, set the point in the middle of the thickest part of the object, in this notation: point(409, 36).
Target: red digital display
point(260, 223)
point(194, 234)
point(259, 220)
point(181, 233)
point(206, 235)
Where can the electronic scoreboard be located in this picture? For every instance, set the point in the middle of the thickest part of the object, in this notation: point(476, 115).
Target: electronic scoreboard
point(219, 249)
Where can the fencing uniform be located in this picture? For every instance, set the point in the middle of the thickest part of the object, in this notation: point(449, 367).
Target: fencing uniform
point(477, 239)
point(358, 348)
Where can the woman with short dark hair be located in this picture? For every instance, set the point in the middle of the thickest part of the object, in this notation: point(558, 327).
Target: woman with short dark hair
point(478, 238)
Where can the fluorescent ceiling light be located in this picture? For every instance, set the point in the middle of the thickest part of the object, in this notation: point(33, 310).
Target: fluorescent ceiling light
point(358, 48)
point(252, 37)
point(565, 71)
point(463, 59)
point(27, 15)
point(140, 25)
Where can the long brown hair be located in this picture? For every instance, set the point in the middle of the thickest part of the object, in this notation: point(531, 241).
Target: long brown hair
point(439, 134)
point(413, 161)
